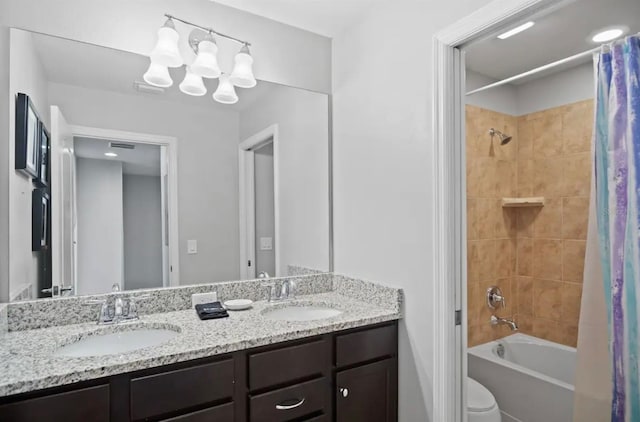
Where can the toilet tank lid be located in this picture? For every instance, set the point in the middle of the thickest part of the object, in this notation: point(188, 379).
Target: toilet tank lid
point(479, 399)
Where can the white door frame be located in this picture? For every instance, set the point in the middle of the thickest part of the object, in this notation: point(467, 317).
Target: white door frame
point(449, 175)
point(171, 143)
point(246, 168)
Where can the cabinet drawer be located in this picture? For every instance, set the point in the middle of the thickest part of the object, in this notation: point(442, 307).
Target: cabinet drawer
point(274, 367)
point(222, 413)
point(88, 404)
point(365, 345)
point(291, 402)
point(155, 395)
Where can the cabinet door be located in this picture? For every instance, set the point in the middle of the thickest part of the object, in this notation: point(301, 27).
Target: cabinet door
point(368, 393)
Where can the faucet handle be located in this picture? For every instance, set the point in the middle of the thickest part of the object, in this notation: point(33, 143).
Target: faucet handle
point(271, 287)
point(495, 298)
point(132, 307)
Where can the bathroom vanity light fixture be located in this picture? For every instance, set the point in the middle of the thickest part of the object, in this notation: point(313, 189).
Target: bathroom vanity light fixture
point(111, 154)
point(516, 30)
point(202, 41)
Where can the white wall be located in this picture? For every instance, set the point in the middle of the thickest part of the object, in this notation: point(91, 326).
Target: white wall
point(501, 99)
point(282, 53)
point(100, 233)
point(383, 189)
point(569, 86)
point(26, 76)
point(6, 164)
point(142, 219)
point(207, 168)
point(265, 217)
point(302, 119)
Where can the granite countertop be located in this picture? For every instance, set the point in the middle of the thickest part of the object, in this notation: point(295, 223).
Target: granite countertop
point(29, 363)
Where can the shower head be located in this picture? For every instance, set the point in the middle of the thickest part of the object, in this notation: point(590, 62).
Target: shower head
point(504, 138)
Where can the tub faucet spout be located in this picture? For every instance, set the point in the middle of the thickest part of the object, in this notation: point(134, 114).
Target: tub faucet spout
point(496, 320)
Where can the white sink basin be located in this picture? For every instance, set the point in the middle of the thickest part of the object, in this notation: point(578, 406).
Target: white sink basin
point(115, 343)
point(302, 313)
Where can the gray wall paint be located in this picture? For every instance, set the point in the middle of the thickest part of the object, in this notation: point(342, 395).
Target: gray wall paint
point(569, 86)
point(142, 232)
point(501, 99)
point(566, 87)
point(100, 237)
point(5, 164)
point(265, 217)
point(26, 76)
point(207, 168)
point(302, 119)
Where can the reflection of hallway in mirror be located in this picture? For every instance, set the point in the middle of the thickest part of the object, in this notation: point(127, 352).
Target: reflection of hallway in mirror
point(119, 209)
point(264, 213)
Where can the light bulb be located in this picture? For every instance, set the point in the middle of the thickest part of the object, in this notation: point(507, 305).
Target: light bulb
point(166, 51)
point(226, 93)
point(242, 75)
point(206, 62)
point(192, 84)
point(158, 75)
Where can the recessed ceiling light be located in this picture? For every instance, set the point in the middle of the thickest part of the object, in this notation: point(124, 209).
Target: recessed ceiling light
point(516, 30)
point(609, 34)
point(110, 154)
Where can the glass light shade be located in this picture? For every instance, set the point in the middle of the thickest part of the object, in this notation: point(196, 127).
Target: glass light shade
point(206, 62)
point(242, 75)
point(166, 50)
point(226, 93)
point(158, 75)
point(192, 84)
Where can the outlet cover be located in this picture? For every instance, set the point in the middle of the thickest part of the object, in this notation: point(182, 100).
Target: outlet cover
point(199, 298)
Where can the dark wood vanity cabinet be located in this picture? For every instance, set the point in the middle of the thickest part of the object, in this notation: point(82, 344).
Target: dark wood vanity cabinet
point(346, 376)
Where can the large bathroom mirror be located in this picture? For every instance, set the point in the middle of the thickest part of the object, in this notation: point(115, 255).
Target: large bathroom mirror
point(146, 187)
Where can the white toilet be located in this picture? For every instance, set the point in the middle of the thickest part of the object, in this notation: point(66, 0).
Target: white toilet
point(481, 405)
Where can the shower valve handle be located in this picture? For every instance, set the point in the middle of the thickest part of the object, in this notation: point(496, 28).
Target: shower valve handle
point(495, 298)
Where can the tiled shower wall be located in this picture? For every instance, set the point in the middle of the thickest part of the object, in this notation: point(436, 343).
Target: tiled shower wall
point(550, 152)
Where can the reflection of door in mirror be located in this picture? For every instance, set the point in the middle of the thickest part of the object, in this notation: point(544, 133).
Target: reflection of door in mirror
point(264, 209)
point(119, 206)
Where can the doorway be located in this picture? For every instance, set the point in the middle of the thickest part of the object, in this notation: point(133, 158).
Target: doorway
point(259, 208)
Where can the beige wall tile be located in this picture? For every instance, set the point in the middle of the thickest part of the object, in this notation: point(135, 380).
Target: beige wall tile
point(524, 256)
point(524, 295)
point(506, 178)
point(473, 303)
point(547, 132)
point(576, 174)
point(575, 217)
point(548, 330)
point(472, 227)
point(486, 218)
point(548, 222)
point(573, 260)
point(577, 127)
point(547, 259)
point(506, 221)
point(486, 253)
point(505, 250)
point(526, 173)
point(548, 177)
point(525, 139)
point(569, 333)
point(547, 299)
point(473, 262)
point(525, 323)
point(571, 296)
point(524, 221)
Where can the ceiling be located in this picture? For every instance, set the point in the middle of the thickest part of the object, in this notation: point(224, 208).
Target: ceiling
point(557, 35)
point(324, 17)
point(143, 160)
point(90, 66)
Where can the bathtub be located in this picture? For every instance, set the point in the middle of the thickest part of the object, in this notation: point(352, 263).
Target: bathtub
point(531, 378)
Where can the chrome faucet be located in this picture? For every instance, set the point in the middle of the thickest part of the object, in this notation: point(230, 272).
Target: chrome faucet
point(117, 308)
point(496, 320)
point(287, 291)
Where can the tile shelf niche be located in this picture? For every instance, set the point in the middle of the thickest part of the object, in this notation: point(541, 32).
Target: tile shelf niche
point(533, 201)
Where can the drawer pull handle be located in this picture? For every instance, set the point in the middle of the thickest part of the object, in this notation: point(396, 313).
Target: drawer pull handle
point(344, 392)
point(285, 406)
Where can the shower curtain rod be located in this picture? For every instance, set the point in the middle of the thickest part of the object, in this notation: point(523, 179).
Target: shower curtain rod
point(536, 70)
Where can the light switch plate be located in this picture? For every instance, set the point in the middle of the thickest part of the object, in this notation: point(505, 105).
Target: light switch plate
point(192, 247)
point(198, 298)
point(266, 243)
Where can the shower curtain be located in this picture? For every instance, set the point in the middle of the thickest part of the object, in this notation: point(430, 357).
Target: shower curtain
point(616, 200)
